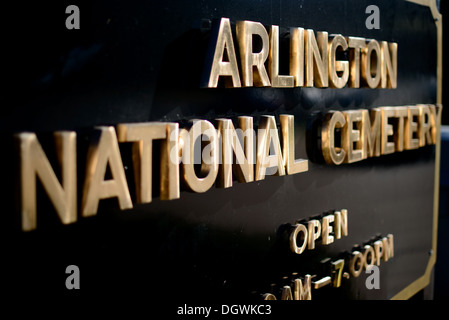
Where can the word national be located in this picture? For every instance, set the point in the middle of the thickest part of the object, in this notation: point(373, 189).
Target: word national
point(256, 155)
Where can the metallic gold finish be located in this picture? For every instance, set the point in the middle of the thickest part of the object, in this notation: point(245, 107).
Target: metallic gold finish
point(336, 67)
point(316, 57)
point(322, 282)
point(337, 270)
point(424, 125)
point(142, 136)
point(297, 55)
point(292, 165)
point(245, 32)
point(401, 114)
point(340, 223)
point(209, 162)
point(388, 247)
point(268, 135)
point(299, 229)
point(372, 134)
point(356, 263)
point(277, 80)
point(103, 152)
point(331, 153)
point(351, 136)
point(34, 163)
point(170, 164)
point(218, 67)
point(244, 166)
point(379, 251)
point(389, 63)
point(435, 121)
point(269, 296)
point(357, 45)
point(303, 291)
point(387, 130)
point(371, 63)
point(327, 229)
point(411, 135)
point(369, 257)
point(314, 230)
point(286, 293)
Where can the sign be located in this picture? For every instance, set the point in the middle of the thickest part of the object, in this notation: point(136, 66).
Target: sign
point(289, 153)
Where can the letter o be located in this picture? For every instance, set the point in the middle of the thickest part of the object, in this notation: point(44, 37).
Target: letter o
point(368, 256)
point(372, 48)
point(201, 127)
point(299, 228)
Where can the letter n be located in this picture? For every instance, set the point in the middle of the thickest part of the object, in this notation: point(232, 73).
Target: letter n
point(34, 163)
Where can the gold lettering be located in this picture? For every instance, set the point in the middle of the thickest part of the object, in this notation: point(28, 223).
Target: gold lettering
point(371, 62)
point(34, 163)
point(103, 152)
point(245, 31)
point(389, 58)
point(286, 293)
point(218, 66)
point(387, 130)
point(331, 153)
point(268, 136)
point(142, 136)
point(335, 66)
point(316, 56)
point(411, 128)
point(401, 114)
point(388, 247)
point(303, 291)
point(356, 263)
point(209, 160)
point(277, 81)
point(424, 126)
point(378, 249)
point(351, 136)
point(299, 229)
point(357, 44)
point(327, 229)
point(341, 223)
point(297, 55)
point(314, 232)
point(244, 166)
point(291, 164)
point(372, 134)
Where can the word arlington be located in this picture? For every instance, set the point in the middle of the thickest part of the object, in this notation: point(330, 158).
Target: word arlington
point(378, 131)
point(179, 154)
point(313, 59)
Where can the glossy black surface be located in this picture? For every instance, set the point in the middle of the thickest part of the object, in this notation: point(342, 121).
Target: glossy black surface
point(139, 61)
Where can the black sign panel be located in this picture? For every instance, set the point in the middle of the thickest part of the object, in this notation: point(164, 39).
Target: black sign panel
point(143, 61)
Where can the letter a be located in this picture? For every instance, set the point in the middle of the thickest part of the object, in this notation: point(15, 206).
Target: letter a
point(72, 21)
point(372, 281)
point(72, 281)
point(373, 20)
